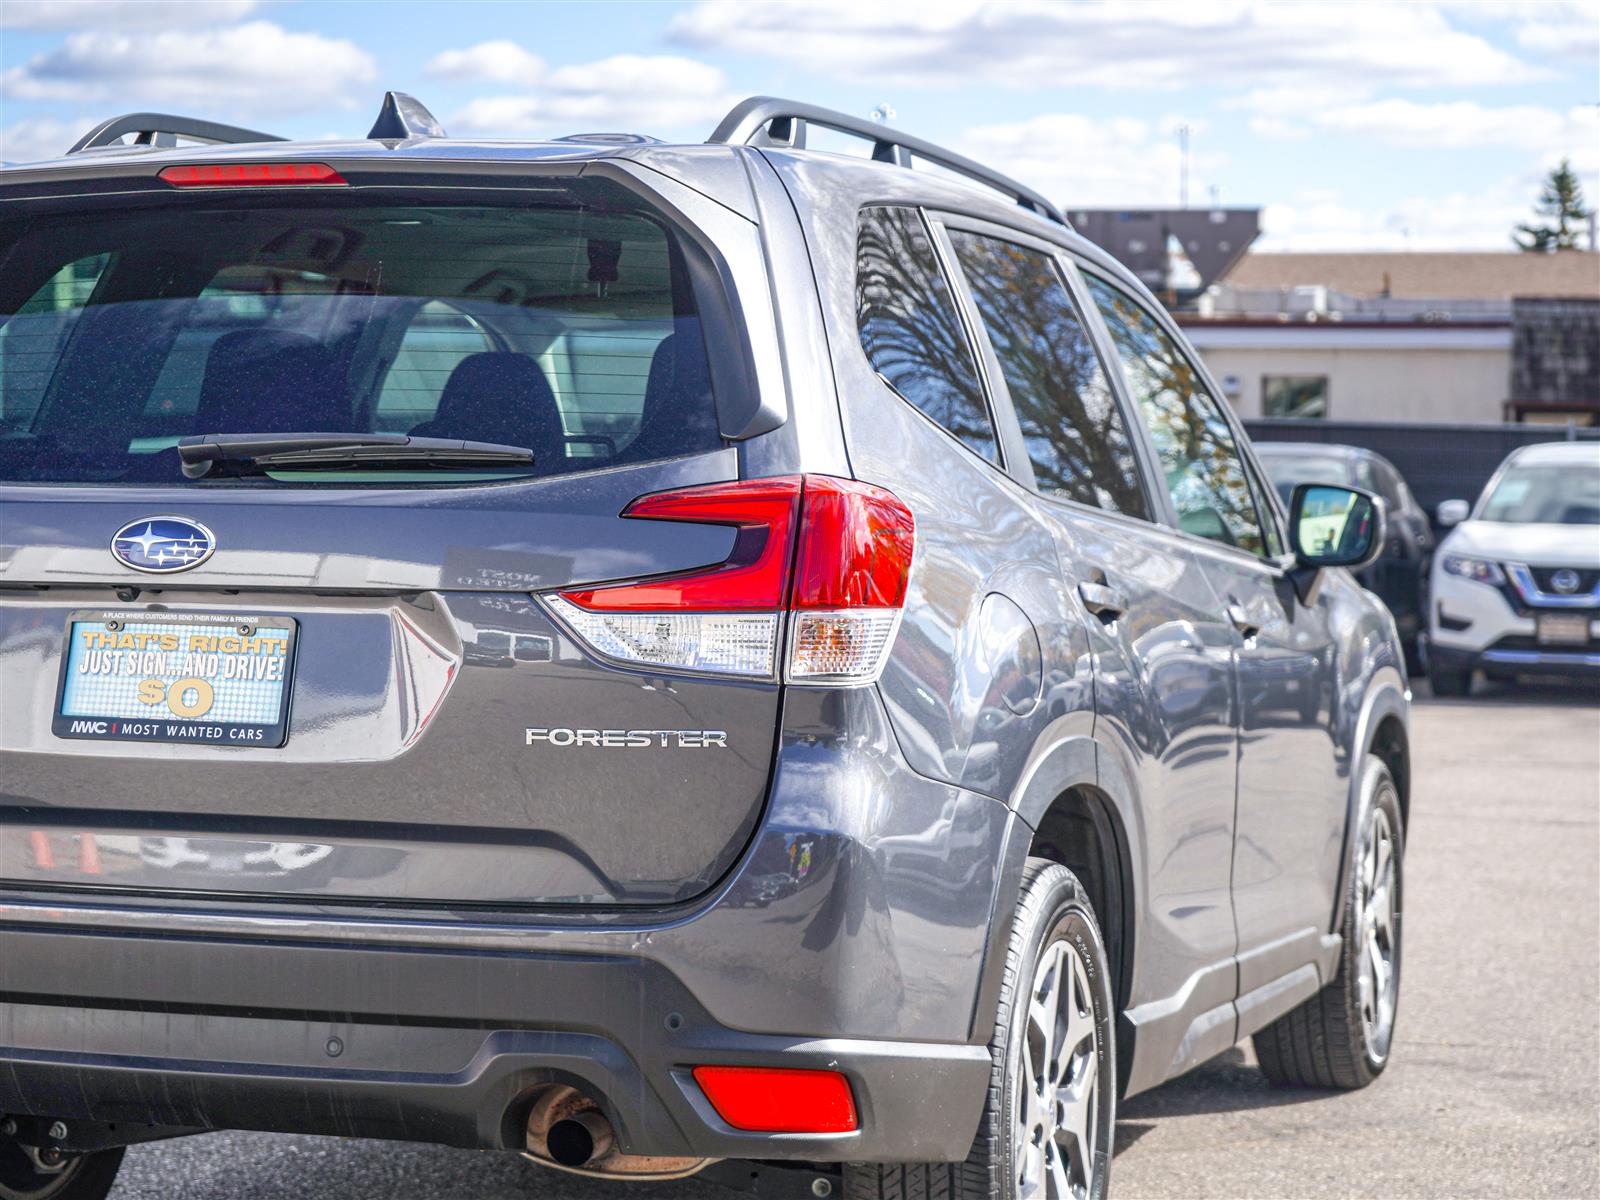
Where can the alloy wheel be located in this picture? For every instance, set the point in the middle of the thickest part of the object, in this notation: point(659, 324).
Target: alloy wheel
point(1378, 952)
point(1058, 1093)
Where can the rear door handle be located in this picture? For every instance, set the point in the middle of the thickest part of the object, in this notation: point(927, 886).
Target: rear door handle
point(1241, 621)
point(1103, 600)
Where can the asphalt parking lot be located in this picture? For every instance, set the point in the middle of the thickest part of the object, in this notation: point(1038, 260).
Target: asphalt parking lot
point(1495, 1084)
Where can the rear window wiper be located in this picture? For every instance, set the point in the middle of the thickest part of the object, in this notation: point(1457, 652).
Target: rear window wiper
point(239, 453)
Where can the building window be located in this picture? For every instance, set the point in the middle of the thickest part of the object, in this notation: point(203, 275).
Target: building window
point(1294, 395)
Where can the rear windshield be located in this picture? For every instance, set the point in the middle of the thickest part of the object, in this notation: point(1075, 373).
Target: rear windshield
point(1288, 471)
point(566, 332)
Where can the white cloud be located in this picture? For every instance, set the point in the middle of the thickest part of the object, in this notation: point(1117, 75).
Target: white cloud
point(1278, 130)
point(1463, 124)
point(1558, 29)
point(1456, 221)
point(1153, 44)
point(1295, 101)
point(640, 73)
point(499, 61)
point(256, 66)
point(121, 14)
point(34, 138)
point(1083, 161)
point(1481, 219)
point(626, 92)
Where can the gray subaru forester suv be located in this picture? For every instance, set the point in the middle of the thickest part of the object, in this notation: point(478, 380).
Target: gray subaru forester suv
point(658, 657)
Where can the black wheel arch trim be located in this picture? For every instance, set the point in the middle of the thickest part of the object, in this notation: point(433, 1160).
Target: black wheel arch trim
point(1076, 763)
point(1386, 698)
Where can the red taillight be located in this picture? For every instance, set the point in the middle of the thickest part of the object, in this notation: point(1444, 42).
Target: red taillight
point(755, 573)
point(835, 552)
point(280, 174)
point(855, 546)
point(780, 1100)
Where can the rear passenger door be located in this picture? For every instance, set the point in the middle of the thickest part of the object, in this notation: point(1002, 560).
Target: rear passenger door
point(1163, 672)
point(1291, 806)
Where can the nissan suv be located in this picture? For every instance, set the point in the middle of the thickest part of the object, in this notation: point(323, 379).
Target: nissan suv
point(1516, 584)
point(647, 655)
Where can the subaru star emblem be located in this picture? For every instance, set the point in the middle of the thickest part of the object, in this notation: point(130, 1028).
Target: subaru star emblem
point(163, 544)
point(1565, 581)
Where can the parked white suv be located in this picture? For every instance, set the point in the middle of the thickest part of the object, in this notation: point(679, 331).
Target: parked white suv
point(1516, 584)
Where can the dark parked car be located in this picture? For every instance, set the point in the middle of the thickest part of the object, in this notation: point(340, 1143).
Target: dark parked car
point(646, 655)
point(1400, 574)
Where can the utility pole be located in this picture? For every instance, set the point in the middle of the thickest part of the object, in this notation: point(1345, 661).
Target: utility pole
point(1183, 165)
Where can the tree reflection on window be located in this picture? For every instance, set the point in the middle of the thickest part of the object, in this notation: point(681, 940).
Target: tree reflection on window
point(1074, 431)
point(1193, 439)
point(910, 328)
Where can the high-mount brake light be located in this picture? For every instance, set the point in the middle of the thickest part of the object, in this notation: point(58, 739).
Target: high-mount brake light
point(276, 174)
point(832, 555)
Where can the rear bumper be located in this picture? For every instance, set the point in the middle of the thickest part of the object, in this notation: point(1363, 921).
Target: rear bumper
point(853, 936)
point(427, 1046)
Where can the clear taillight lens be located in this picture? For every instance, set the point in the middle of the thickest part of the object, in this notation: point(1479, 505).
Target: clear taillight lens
point(843, 645)
point(715, 643)
point(833, 556)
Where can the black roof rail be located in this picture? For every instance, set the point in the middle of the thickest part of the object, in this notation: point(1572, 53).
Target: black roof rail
point(403, 116)
point(163, 129)
point(768, 121)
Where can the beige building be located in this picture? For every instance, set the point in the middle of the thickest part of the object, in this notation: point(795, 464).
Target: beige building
point(1465, 337)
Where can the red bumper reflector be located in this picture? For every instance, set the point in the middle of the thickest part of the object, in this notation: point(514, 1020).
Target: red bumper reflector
point(780, 1100)
point(280, 174)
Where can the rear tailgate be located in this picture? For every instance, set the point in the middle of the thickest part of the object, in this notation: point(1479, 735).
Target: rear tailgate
point(333, 699)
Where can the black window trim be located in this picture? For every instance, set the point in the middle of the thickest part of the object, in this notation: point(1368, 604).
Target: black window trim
point(1000, 395)
point(944, 260)
point(1268, 506)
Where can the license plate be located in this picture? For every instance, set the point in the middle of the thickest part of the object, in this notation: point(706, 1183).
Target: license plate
point(1563, 629)
point(176, 677)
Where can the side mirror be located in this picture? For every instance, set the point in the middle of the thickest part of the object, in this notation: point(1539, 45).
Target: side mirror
point(1453, 512)
point(1331, 526)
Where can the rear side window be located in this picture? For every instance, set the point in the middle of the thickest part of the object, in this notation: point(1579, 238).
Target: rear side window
point(911, 330)
point(1193, 440)
point(569, 332)
point(1074, 431)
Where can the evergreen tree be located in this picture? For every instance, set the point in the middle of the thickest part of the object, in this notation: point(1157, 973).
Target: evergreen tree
point(1561, 201)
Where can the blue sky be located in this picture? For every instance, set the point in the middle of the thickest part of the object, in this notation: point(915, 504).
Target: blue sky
point(1421, 125)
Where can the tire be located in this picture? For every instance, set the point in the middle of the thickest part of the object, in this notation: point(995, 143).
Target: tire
point(87, 1177)
point(1416, 658)
point(1342, 1036)
point(1449, 681)
point(1054, 933)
